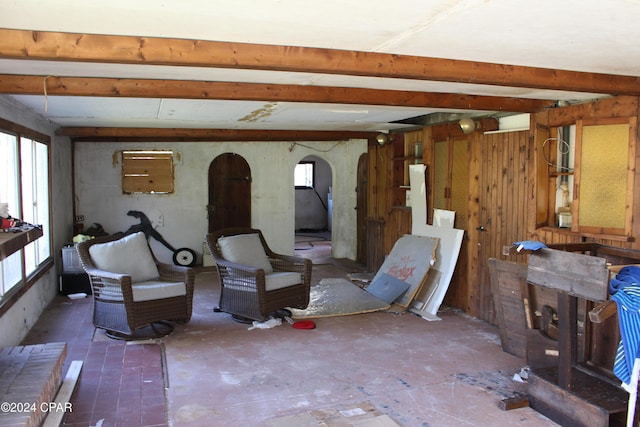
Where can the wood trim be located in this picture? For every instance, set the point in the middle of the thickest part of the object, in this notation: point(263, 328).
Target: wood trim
point(631, 174)
point(24, 131)
point(577, 175)
point(58, 46)
point(95, 134)
point(620, 106)
point(190, 89)
point(15, 293)
point(13, 242)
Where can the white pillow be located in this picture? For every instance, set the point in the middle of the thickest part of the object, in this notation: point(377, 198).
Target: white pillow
point(130, 255)
point(245, 249)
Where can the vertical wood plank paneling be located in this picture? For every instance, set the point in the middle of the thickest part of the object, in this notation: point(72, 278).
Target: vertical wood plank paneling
point(635, 225)
point(503, 187)
point(474, 219)
point(503, 203)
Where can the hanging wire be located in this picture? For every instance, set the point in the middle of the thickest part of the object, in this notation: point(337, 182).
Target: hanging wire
point(564, 147)
point(46, 99)
point(46, 96)
point(293, 144)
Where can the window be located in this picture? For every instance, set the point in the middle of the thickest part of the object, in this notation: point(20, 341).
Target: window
point(147, 172)
point(304, 175)
point(589, 170)
point(24, 172)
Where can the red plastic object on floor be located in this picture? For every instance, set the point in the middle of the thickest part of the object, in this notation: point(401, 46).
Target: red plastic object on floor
point(304, 324)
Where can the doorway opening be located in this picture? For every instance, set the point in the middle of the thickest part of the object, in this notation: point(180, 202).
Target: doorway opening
point(229, 192)
point(313, 209)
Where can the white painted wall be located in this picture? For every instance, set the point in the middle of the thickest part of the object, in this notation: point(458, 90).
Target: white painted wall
point(99, 195)
point(18, 320)
point(312, 204)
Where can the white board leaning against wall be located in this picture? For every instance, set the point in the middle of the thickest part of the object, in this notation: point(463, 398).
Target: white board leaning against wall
point(428, 301)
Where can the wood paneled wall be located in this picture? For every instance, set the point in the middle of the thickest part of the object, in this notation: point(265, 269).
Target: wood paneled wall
point(502, 198)
point(617, 107)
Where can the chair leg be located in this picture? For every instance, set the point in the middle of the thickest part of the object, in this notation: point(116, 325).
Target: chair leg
point(241, 319)
point(153, 331)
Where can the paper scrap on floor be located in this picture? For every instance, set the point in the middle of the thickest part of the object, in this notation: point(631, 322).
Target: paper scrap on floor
point(360, 414)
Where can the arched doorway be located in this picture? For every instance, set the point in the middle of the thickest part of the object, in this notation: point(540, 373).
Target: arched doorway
point(229, 192)
point(313, 208)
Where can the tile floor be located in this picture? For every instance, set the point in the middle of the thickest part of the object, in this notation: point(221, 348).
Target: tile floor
point(120, 384)
point(214, 372)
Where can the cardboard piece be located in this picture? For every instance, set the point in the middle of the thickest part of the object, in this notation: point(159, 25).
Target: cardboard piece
point(387, 288)
point(409, 261)
point(443, 218)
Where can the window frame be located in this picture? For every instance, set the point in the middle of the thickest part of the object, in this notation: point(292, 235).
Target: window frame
point(313, 175)
point(33, 258)
point(546, 205)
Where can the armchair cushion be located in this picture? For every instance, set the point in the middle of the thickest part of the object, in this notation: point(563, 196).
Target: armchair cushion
point(155, 289)
point(272, 281)
point(245, 249)
point(281, 280)
point(129, 255)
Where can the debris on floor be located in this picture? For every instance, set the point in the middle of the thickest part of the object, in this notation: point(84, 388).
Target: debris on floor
point(360, 414)
point(271, 322)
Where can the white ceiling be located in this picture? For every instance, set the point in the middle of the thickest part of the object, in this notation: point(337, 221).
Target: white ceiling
point(578, 35)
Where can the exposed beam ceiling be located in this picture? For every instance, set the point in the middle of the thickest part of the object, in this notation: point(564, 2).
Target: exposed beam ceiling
point(181, 89)
point(50, 46)
point(129, 67)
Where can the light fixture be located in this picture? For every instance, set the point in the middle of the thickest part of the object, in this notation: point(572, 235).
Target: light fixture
point(468, 125)
point(383, 138)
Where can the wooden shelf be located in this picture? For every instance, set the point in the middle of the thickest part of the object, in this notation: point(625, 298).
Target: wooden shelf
point(559, 230)
point(12, 242)
point(417, 159)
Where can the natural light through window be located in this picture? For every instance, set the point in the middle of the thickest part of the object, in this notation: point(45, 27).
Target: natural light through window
point(24, 171)
point(304, 175)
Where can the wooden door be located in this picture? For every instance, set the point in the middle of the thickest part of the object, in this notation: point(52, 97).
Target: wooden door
point(229, 192)
point(451, 192)
point(361, 206)
point(502, 211)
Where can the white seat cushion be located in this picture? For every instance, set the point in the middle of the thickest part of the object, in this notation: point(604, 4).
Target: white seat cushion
point(154, 289)
point(272, 281)
point(245, 249)
point(130, 255)
point(281, 279)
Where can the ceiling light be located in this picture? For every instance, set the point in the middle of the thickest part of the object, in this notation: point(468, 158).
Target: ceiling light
point(468, 125)
point(382, 139)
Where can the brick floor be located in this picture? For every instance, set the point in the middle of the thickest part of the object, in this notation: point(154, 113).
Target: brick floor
point(121, 384)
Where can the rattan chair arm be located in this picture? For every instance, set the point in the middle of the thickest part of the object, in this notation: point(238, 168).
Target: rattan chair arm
point(247, 270)
point(173, 271)
point(106, 274)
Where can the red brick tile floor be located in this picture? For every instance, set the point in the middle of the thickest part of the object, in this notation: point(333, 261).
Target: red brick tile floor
point(121, 383)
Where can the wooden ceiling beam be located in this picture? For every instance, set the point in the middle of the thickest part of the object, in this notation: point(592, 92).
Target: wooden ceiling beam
point(181, 89)
point(105, 134)
point(58, 46)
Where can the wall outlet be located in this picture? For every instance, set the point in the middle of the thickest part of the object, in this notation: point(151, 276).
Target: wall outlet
point(79, 218)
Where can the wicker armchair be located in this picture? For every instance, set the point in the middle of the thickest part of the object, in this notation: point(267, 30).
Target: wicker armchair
point(257, 288)
point(131, 309)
